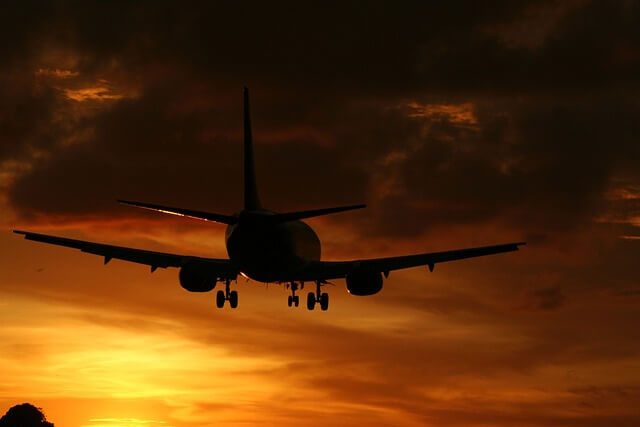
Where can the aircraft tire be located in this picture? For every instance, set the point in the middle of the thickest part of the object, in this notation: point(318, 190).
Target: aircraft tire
point(311, 301)
point(289, 300)
point(233, 299)
point(296, 300)
point(220, 299)
point(324, 301)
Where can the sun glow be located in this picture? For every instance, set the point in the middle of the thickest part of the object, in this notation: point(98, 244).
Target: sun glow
point(157, 361)
point(125, 422)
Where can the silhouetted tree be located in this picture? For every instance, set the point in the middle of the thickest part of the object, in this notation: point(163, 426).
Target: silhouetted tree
point(24, 415)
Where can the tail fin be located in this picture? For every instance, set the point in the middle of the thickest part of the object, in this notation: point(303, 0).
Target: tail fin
point(251, 199)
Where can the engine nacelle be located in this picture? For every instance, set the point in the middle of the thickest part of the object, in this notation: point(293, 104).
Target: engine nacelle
point(195, 278)
point(364, 282)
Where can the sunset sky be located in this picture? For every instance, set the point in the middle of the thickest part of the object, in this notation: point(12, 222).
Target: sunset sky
point(458, 123)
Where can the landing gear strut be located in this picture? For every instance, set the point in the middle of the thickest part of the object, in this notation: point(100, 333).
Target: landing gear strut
point(318, 297)
point(227, 295)
point(293, 299)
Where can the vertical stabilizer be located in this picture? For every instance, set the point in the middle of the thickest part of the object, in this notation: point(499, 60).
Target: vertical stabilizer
point(251, 200)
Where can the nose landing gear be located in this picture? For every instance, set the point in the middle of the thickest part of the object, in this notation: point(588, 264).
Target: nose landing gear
point(318, 297)
point(227, 295)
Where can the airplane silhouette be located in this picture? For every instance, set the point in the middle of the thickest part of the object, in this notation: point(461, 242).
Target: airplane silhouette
point(269, 247)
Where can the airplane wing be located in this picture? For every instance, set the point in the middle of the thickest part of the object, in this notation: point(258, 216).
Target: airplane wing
point(221, 267)
point(327, 270)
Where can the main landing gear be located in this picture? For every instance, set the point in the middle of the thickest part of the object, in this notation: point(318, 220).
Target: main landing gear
point(293, 299)
point(227, 295)
point(318, 297)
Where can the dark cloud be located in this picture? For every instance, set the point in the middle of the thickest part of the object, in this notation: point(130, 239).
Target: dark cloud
point(628, 293)
point(330, 104)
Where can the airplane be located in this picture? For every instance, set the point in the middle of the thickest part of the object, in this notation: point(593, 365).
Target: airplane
point(268, 247)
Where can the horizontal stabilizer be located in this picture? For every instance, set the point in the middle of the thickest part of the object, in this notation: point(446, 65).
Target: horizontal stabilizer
point(294, 216)
point(206, 216)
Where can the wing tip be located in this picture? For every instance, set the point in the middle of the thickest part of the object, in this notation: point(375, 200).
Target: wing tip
point(24, 233)
point(516, 246)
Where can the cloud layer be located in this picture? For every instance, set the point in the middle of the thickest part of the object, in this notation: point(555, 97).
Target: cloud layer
point(459, 124)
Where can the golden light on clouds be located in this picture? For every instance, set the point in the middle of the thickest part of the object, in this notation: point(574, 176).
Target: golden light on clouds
point(56, 72)
point(624, 193)
point(99, 93)
point(460, 114)
point(77, 87)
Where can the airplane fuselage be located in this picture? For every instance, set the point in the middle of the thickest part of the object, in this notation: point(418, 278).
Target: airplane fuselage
point(270, 252)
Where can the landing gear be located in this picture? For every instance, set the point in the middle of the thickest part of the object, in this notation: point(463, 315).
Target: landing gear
point(227, 295)
point(293, 299)
point(233, 299)
point(324, 301)
point(311, 301)
point(318, 297)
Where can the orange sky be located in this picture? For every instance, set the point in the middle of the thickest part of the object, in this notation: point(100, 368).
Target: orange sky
point(470, 126)
point(466, 345)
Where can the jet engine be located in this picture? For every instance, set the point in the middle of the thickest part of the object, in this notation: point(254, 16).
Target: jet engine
point(195, 278)
point(364, 282)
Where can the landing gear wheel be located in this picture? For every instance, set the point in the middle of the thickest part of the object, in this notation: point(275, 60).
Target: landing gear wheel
point(324, 301)
point(293, 299)
point(233, 299)
point(311, 301)
point(220, 299)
